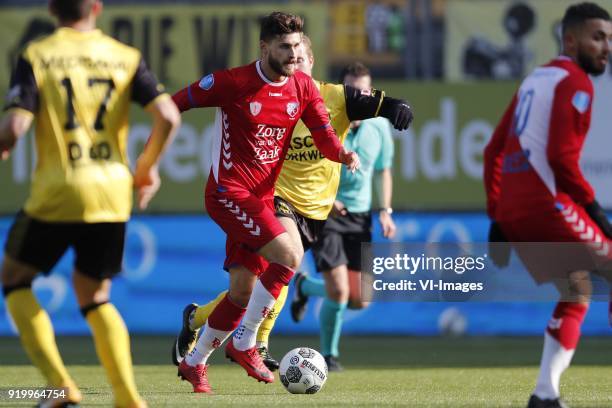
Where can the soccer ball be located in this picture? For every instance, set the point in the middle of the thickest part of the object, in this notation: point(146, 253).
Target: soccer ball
point(303, 371)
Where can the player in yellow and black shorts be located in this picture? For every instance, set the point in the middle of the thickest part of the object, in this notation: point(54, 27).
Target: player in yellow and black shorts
point(78, 83)
point(304, 192)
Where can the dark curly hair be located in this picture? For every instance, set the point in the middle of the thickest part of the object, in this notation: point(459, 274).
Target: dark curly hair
point(279, 23)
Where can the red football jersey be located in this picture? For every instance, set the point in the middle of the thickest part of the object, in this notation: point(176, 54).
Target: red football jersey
point(254, 122)
point(531, 163)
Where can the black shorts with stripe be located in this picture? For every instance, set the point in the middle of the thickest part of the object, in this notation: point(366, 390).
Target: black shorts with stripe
point(98, 247)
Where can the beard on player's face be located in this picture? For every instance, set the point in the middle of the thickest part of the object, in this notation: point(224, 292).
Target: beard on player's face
point(592, 46)
point(594, 65)
point(284, 67)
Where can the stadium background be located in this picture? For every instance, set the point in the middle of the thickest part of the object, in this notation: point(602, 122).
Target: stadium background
point(456, 61)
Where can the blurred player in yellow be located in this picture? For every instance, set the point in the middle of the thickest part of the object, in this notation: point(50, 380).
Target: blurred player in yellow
point(304, 192)
point(78, 83)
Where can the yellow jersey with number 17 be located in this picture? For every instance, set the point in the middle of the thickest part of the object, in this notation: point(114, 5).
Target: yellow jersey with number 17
point(79, 86)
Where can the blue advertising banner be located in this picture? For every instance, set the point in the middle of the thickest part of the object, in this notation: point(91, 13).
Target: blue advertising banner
point(171, 261)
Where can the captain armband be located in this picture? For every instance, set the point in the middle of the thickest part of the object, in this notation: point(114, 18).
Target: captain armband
point(364, 104)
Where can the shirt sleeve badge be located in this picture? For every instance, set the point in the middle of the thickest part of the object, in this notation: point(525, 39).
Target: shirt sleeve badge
point(207, 82)
point(581, 101)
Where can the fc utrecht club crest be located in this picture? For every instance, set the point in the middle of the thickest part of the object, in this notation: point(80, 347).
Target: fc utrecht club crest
point(292, 109)
point(255, 108)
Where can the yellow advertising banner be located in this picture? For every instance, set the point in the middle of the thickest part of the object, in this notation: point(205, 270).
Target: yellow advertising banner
point(180, 42)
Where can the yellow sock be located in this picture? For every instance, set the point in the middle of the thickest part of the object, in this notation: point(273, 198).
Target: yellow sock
point(202, 312)
point(38, 339)
point(113, 347)
point(266, 326)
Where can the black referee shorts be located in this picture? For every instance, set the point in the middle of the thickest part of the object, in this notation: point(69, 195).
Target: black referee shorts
point(340, 241)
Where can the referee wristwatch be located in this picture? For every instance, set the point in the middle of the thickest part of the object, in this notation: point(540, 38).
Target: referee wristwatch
point(388, 210)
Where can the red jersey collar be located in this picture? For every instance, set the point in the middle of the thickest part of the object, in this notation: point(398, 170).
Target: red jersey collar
point(265, 79)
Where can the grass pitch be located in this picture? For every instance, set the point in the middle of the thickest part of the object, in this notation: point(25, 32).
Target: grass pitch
point(380, 371)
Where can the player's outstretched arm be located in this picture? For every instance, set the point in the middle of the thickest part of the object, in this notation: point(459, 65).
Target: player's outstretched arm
point(350, 159)
point(13, 126)
point(362, 105)
point(315, 117)
point(327, 142)
point(216, 89)
point(397, 111)
point(166, 121)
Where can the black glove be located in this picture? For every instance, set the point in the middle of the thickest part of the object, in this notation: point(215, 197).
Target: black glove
point(499, 253)
point(397, 111)
point(598, 216)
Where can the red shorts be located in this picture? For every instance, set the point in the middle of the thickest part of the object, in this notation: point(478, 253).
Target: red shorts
point(237, 254)
point(555, 257)
point(249, 221)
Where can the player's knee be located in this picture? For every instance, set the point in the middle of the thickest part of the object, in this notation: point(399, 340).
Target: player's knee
point(89, 290)
point(580, 286)
point(294, 259)
point(284, 251)
point(338, 293)
point(299, 251)
point(290, 257)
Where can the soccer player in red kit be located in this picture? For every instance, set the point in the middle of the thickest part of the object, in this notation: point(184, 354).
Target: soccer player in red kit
point(536, 191)
point(258, 106)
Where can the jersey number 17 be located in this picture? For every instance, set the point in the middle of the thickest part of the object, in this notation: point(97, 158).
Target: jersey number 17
point(71, 123)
